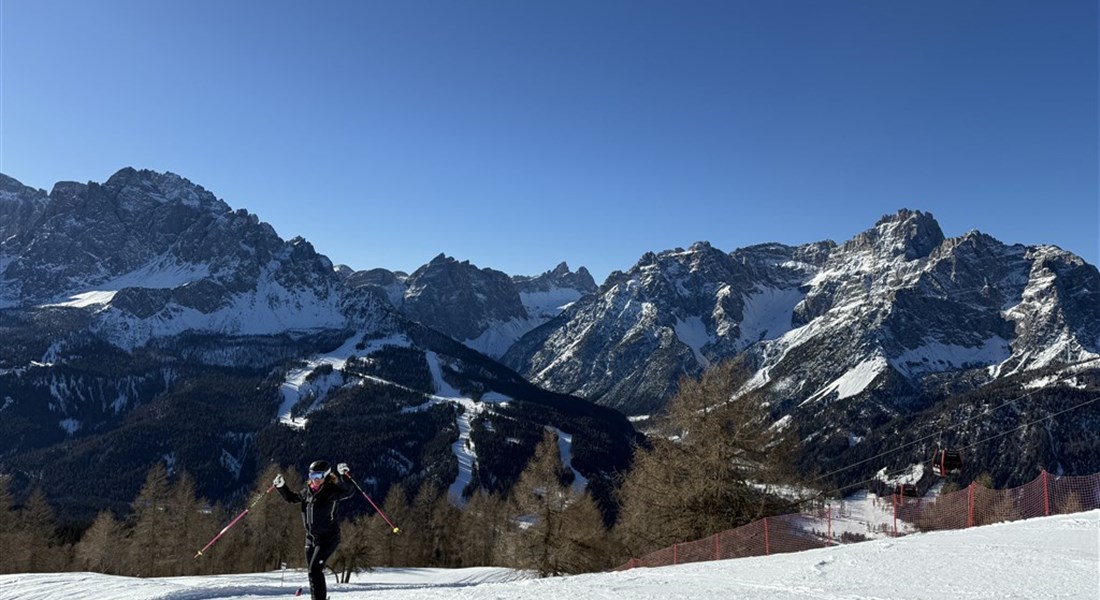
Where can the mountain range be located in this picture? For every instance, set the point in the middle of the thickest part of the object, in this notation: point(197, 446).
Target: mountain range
point(145, 319)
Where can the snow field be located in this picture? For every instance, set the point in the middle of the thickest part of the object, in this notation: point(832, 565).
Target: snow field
point(1039, 559)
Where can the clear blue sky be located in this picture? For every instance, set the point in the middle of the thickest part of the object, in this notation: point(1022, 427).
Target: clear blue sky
point(520, 134)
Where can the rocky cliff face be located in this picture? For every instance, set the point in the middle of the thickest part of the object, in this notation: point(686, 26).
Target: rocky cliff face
point(159, 255)
point(816, 322)
point(146, 320)
point(485, 309)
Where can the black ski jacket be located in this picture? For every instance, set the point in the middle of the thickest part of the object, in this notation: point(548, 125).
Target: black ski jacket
point(319, 508)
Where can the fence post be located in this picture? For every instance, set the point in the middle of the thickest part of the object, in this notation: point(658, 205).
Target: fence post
point(717, 551)
point(1046, 494)
point(829, 520)
point(767, 547)
point(896, 513)
point(675, 556)
point(970, 504)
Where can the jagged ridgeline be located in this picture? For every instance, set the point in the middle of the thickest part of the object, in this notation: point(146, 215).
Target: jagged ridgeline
point(891, 337)
point(145, 320)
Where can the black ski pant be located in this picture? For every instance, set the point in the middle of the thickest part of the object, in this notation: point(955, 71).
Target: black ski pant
point(318, 549)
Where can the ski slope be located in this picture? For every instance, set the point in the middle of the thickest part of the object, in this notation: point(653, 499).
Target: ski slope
point(1037, 559)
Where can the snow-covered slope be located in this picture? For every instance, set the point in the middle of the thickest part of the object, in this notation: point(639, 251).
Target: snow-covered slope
point(1051, 557)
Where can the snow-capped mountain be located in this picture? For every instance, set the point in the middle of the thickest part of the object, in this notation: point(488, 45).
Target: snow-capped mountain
point(822, 322)
point(144, 319)
point(673, 313)
point(158, 255)
point(135, 306)
point(483, 308)
point(899, 337)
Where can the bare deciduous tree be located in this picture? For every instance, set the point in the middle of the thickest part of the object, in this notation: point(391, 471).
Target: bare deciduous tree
point(708, 468)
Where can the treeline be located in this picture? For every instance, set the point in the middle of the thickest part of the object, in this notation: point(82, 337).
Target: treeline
point(702, 473)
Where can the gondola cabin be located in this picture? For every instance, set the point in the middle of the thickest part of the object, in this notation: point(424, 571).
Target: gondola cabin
point(909, 490)
point(947, 462)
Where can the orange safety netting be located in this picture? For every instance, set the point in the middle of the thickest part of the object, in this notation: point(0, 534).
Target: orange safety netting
point(968, 507)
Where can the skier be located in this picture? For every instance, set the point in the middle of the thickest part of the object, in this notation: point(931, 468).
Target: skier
point(318, 499)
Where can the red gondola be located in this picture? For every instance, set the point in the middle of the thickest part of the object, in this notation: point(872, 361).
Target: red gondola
point(909, 490)
point(947, 462)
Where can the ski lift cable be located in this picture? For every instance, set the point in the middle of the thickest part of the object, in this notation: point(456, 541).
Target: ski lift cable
point(959, 424)
point(988, 439)
point(1030, 423)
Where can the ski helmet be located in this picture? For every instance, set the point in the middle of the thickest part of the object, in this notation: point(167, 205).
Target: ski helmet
point(319, 466)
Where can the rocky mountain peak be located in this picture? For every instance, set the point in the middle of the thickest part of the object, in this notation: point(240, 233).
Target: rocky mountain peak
point(558, 277)
point(459, 298)
point(12, 189)
point(137, 188)
point(910, 234)
point(20, 206)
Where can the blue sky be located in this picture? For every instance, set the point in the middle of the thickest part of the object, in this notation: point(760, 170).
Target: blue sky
point(520, 134)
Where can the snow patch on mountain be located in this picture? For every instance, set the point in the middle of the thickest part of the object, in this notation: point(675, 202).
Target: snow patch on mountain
point(298, 383)
point(500, 335)
point(768, 313)
point(270, 309)
point(935, 357)
point(854, 381)
point(549, 303)
point(693, 333)
point(466, 410)
point(775, 351)
point(70, 426)
point(164, 272)
point(85, 300)
point(565, 451)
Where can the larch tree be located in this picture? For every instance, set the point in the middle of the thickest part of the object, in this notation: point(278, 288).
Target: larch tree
point(483, 525)
point(8, 520)
point(539, 500)
point(446, 544)
point(183, 523)
point(99, 549)
point(36, 537)
point(586, 541)
point(396, 547)
point(709, 467)
point(272, 531)
point(150, 542)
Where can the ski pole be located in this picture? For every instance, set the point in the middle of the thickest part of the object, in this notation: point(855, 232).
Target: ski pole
point(380, 513)
point(234, 521)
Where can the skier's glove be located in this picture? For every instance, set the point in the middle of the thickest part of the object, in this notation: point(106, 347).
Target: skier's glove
point(279, 482)
point(342, 469)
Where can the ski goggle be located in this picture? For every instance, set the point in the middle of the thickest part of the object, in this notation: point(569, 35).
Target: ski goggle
point(316, 475)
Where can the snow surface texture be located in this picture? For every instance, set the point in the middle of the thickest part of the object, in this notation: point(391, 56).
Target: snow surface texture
point(1037, 559)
